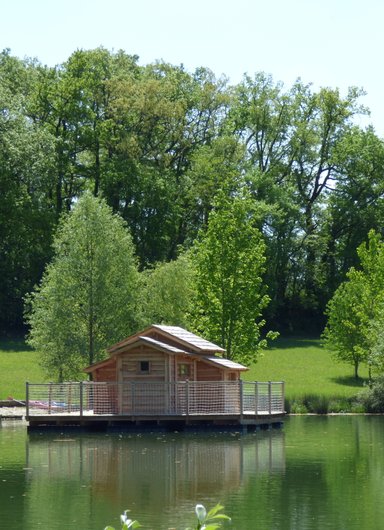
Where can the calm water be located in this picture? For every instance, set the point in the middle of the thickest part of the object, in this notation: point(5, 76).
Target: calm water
point(315, 473)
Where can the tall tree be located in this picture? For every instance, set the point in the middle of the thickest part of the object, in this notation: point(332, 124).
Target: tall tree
point(168, 292)
point(355, 312)
point(291, 137)
point(229, 262)
point(26, 158)
point(87, 297)
point(165, 116)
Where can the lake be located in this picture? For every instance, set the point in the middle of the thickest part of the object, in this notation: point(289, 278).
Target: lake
point(317, 472)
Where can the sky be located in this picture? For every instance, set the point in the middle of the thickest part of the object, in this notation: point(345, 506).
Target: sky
point(333, 43)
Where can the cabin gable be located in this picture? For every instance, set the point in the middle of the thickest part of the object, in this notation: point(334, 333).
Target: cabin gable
point(165, 354)
point(143, 362)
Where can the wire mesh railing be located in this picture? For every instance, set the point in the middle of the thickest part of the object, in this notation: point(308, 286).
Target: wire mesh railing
point(136, 398)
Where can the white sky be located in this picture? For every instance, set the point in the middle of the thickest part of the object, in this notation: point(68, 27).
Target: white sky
point(336, 43)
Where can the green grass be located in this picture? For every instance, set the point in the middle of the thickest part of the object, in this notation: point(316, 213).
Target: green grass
point(307, 369)
point(18, 364)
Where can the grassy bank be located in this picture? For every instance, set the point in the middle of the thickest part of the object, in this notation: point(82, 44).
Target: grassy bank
point(18, 364)
point(314, 381)
point(307, 369)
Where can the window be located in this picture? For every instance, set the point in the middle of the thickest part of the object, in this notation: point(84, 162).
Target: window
point(144, 367)
point(184, 370)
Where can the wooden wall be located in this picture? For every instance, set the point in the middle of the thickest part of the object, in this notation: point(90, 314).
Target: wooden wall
point(129, 365)
point(106, 373)
point(208, 372)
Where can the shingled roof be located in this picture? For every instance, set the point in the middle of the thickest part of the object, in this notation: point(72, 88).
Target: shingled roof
point(181, 336)
point(189, 338)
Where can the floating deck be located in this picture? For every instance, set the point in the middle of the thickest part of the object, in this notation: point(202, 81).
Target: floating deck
point(176, 406)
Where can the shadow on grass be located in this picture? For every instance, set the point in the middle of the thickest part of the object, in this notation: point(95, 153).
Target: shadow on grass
point(282, 343)
point(347, 380)
point(14, 345)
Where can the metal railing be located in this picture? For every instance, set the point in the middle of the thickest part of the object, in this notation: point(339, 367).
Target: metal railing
point(184, 398)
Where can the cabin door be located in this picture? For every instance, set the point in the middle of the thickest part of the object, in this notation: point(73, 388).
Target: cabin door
point(184, 373)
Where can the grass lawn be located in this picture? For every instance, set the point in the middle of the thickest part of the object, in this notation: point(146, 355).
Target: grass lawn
point(18, 364)
point(307, 368)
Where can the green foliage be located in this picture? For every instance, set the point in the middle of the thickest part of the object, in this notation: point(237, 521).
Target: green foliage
point(159, 143)
point(126, 523)
point(167, 293)
point(205, 521)
point(229, 261)
point(87, 298)
point(372, 397)
point(26, 158)
point(345, 333)
point(355, 311)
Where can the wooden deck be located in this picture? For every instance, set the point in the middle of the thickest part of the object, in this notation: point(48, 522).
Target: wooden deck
point(178, 406)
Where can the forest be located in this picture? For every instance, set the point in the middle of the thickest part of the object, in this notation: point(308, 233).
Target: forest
point(159, 144)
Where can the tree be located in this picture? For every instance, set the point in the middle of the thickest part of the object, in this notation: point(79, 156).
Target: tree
point(345, 333)
point(355, 312)
point(229, 260)
point(88, 295)
point(291, 138)
point(356, 204)
point(168, 289)
point(26, 154)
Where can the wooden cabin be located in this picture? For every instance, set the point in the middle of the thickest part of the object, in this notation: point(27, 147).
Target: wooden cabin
point(162, 355)
point(163, 375)
point(166, 354)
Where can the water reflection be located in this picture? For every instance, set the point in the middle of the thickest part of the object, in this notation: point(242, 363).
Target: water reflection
point(318, 473)
point(160, 474)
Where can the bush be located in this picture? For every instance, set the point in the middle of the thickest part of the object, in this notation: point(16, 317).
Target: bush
point(316, 404)
point(297, 407)
point(372, 398)
point(340, 406)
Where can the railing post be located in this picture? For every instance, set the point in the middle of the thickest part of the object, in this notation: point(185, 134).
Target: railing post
point(133, 396)
point(241, 397)
point(50, 398)
point(282, 396)
point(187, 397)
point(256, 397)
point(27, 398)
point(270, 397)
point(81, 398)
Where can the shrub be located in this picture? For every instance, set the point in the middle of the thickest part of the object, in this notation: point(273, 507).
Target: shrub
point(316, 404)
point(372, 398)
point(339, 406)
point(297, 407)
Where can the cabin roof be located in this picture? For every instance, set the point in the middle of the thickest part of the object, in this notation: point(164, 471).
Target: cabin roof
point(184, 338)
point(183, 343)
point(226, 363)
point(189, 338)
point(161, 345)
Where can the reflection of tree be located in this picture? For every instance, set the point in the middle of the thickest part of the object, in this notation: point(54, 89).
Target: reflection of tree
point(150, 474)
point(333, 478)
point(320, 472)
point(13, 481)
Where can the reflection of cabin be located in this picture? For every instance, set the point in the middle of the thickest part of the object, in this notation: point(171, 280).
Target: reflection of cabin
point(171, 471)
point(163, 356)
